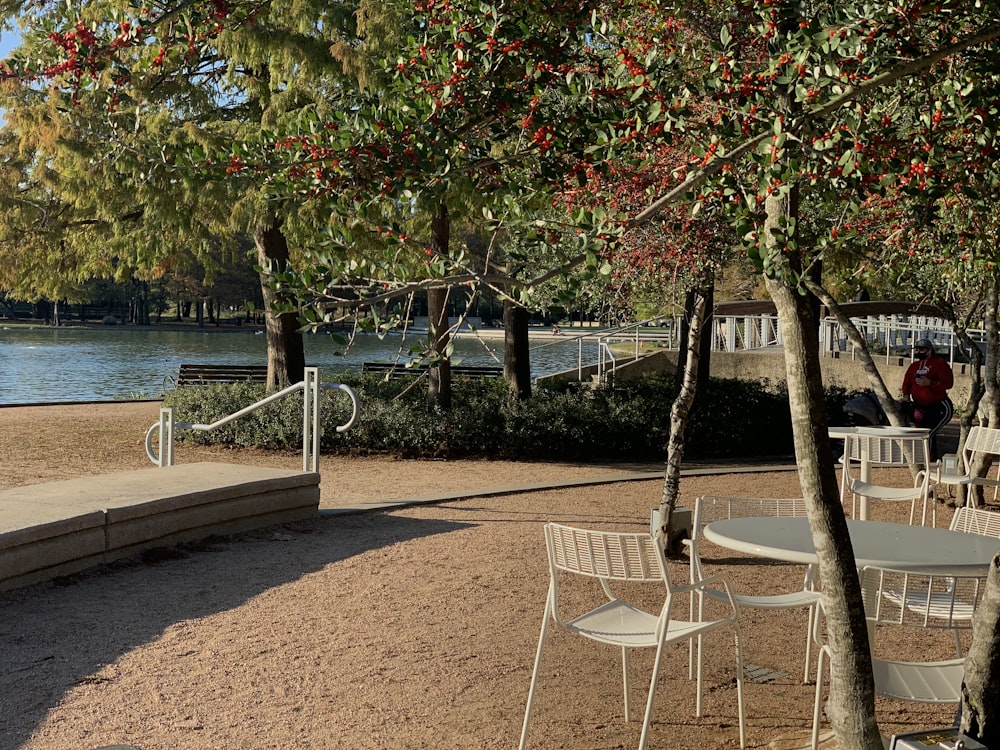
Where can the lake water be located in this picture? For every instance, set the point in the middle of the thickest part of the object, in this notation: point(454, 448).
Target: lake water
point(51, 365)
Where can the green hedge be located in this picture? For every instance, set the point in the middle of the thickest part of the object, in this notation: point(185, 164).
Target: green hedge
point(630, 421)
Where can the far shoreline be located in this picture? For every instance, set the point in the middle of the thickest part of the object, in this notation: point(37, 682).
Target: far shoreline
point(565, 330)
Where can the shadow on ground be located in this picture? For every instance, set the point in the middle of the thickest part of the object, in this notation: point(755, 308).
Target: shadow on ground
point(60, 634)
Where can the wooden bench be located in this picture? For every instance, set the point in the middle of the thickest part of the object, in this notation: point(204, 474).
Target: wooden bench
point(394, 371)
point(212, 374)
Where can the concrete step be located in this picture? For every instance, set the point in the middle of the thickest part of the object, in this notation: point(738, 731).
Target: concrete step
point(59, 528)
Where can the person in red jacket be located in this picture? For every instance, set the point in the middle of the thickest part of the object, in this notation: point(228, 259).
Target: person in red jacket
point(925, 389)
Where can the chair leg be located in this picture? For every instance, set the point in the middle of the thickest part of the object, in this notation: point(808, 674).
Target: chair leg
point(818, 704)
point(809, 641)
point(644, 737)
point(691, 617)
point(697, 688)
point(534, 680)
point(625, 681)
point(739, 686)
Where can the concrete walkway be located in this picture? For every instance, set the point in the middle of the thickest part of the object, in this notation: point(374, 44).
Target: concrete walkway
point(60, 528)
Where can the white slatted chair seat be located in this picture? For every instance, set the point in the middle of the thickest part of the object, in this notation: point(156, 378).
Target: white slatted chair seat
point(913, 495)
point(621, 624)
point(790, 600)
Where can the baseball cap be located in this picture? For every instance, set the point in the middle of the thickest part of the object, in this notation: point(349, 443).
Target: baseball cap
point(923, 344)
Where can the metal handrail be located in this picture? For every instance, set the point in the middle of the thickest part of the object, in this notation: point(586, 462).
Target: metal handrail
point(633, 332)
point(310, 386)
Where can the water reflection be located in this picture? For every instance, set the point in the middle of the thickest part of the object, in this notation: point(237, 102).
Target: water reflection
point(47, 365)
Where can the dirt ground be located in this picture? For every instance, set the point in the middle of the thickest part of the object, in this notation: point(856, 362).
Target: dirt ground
point(409, 628)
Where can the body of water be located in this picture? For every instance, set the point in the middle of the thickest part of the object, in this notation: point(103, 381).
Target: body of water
point(52, 365)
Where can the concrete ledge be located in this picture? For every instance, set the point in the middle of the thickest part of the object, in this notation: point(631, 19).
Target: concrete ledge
point(59, 528)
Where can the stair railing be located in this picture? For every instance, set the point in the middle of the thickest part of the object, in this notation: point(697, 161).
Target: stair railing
point(310, 387)
point(636, 334)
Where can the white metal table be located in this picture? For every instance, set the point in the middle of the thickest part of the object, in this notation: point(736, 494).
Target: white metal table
point(888, 545)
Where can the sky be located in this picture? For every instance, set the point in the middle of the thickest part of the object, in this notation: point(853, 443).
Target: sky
point(8, 40)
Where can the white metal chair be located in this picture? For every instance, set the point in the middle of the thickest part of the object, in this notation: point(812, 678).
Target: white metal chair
point(709, 508)
point(979, 442)
point(928, 600)
point(910, 599)
point(625, 558)
point(976, 521)
point(866, 492)
point(881, 448)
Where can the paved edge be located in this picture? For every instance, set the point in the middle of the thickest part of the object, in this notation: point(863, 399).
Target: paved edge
point(343, 510)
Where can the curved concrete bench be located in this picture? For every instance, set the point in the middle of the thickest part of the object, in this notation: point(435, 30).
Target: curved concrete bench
point(59, 528)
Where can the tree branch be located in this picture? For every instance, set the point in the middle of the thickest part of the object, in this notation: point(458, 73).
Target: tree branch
point(850, 94)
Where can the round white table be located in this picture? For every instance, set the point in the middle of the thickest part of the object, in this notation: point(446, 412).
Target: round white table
point(887, 545)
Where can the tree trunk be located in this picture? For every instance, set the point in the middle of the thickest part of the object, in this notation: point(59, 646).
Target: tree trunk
point(439, 382)
point(695, 314)
point(991, 384)
point(981, 684)
point(989, 405)
point(851, 703)
point(516, 357)
point(707, 295)
point(286, 360)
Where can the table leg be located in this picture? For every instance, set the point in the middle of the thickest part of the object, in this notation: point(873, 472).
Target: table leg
point(866, 476)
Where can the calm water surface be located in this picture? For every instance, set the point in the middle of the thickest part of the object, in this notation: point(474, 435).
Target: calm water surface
point(47, 365)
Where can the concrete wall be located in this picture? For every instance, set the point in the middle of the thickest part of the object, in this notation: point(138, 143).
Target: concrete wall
point(843, 372)
point(769, 364)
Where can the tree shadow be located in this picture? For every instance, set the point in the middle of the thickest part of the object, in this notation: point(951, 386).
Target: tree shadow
point(61, 633)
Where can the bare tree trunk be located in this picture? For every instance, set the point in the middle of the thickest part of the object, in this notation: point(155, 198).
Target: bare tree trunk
point(696, 312)
point(989, 403)
point(705, 334)
point(286, 359)
point(439, 382)
point(981, 684)
point(991, 378)
point(851, 703)
point(516, 357)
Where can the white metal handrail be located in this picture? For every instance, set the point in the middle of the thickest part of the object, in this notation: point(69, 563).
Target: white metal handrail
point(310, 387)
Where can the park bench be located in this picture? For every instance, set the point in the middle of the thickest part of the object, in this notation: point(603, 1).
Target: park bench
point(213, 374)
point(393, 371)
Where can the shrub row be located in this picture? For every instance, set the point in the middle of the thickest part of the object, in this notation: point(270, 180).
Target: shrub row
point(569, 422)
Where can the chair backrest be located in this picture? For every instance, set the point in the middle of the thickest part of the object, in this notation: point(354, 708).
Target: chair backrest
point(976, 521)
point(607, 555)
point(886, 448)
point(710, 508)
point(979, 440)
point(920, 599)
